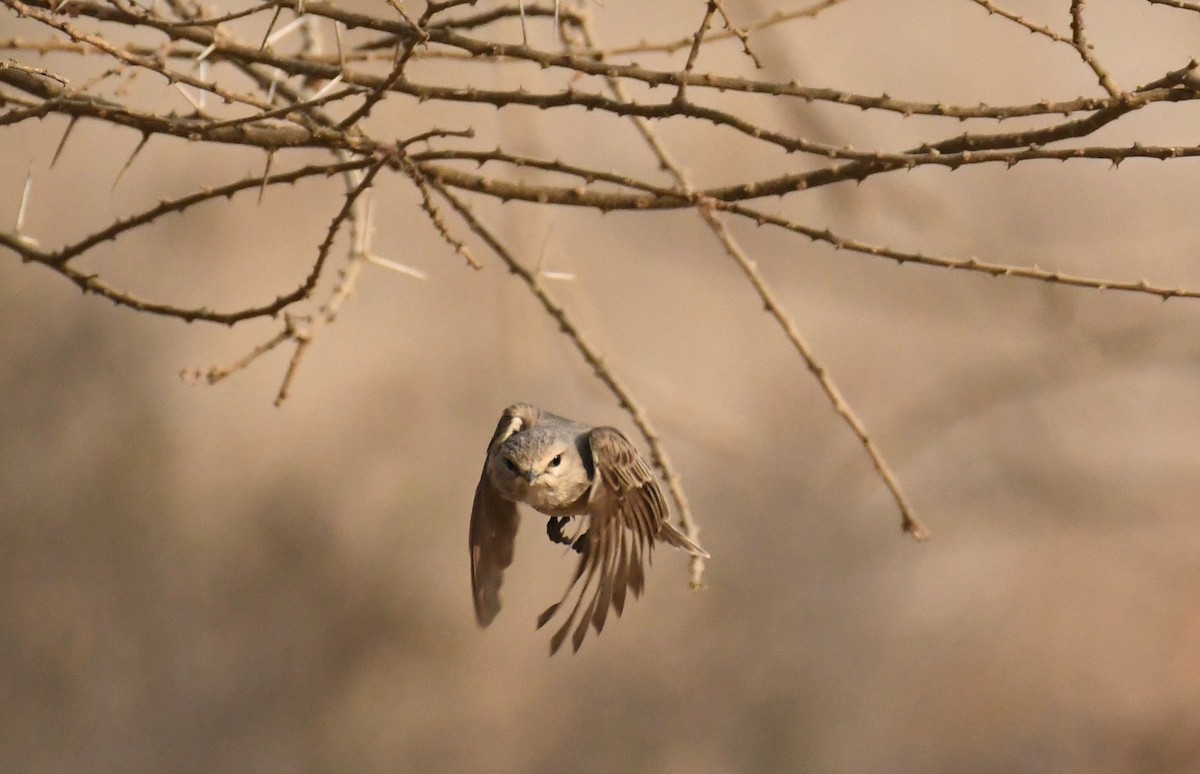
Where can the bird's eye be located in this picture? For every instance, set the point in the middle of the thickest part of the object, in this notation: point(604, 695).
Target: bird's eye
point(554, 463)
point(510, 465)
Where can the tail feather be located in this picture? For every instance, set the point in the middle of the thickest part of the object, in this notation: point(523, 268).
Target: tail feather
point(670, 534)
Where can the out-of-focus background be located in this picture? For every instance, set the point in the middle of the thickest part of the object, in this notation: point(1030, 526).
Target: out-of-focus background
point(192, 580)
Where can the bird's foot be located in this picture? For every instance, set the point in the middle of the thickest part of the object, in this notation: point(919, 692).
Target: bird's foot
point(554, 530)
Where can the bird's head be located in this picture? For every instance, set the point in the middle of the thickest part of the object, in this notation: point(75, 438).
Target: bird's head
point(541, 468)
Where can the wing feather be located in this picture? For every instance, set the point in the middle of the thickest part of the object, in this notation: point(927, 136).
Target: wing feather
point(621, 574)
point(626, 514)
point(494, 522)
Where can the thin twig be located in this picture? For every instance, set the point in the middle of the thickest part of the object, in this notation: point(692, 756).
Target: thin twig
point(693, 52)
point(1036, 29)
point(775, 19)
point(739, 33)
point(971, 264)
point(1079, 41)
point(707, 209)
point(434, 214)
point(1194, 7)
point(908, 519)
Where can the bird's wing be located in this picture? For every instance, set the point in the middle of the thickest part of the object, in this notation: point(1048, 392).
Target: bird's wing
point(626, 514)
point(494, 522)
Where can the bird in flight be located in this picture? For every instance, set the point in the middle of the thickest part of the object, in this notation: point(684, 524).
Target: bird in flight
point(565, 469)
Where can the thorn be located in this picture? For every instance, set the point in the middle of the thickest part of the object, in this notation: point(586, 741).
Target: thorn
point(192, 100)
point(275, 76)
point(396, 267)
point(271, 26)
point(204, 54)
point(129, 161)
point(262, 188)
point(25, 196)
point(203, 75)
point(63, 142)
point(363, 231)
point(284, 31)
point(326, 88)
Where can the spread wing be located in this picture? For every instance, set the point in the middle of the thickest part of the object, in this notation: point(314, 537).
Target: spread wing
point(627, 514)
point(494, 522)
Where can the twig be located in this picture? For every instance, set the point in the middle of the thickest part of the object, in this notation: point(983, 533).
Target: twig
point(1079, 41)
point(356, 211)
point(908, 519)
point(1036, 29)
point(707, 208)
point(1194, 7)
point(693, 52)
point(964, 264)
point(775, 19)
point(741, 34)
point(434, 214)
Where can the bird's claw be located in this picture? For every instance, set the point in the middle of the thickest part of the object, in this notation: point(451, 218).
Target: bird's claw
point(554, 530)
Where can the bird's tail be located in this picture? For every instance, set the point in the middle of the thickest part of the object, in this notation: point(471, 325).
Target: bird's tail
point(671, 534)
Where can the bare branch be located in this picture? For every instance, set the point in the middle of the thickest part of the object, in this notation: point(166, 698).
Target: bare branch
point(1079, 41)
point(333, 89)
point(1036, 29)
point(908, 520)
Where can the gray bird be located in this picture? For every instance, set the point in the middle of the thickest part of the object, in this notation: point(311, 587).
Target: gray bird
point(566, 469)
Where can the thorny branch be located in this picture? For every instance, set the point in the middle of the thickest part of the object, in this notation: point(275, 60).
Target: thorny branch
point(305, 81)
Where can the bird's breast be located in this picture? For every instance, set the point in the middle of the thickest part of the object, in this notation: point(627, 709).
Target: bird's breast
point(554, 502)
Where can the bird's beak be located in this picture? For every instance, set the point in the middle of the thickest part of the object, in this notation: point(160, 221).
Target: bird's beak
point(530, 475)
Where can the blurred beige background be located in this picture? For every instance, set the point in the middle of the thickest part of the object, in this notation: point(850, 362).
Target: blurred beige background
point(194, 581)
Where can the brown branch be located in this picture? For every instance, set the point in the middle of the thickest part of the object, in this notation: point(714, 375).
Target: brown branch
point(775, 19)
point(693, 52)
point(908, 519)
point(434, 214)
point(742, 35)
point(301, 96)
point(148, 63)
point(301, 330)
point(706, 208)
point(324, 67)
point(58, 259)
point(649, 197)
point(966, 264)
point(1194, 7)
point(1036, 29)
point(57, 99)
point(1079, 41)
